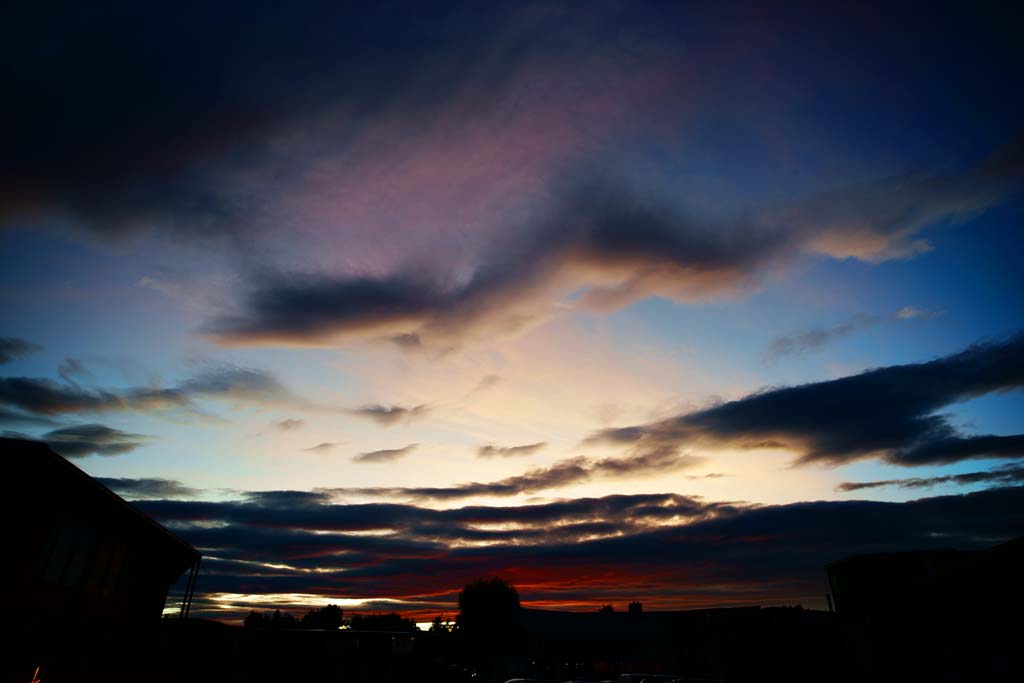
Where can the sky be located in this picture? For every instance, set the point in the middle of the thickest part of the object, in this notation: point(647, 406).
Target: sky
point(675, 302)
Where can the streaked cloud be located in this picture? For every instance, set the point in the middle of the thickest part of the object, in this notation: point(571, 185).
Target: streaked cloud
point(390, 415)
point(43, 396)
point(1007, 474)
point(153, 488)
point(698, 553)
point(92, 439)
point(323, 447)
point(17, 417)
point(817, 338)
point(492, 451)
point(615, 247)
point(567, 472)
point(889, 413)
point(12, 347)
point(386, 455)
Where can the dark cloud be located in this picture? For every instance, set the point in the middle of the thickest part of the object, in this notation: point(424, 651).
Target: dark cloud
point(165, 125)
point(490, 451)
point(311, 511)
point(1007, 474)
point(563, 473)
point(287, 499)
point(820, 337)
point(615, 246)
point(229, 383)
point(162, 489)
point(386, 455)
point(176, 154)
point(290, 424)
point(92, 439)
point(389, 415)
point(694, 552)
point(623, 247)
point(17, 417)
point(12, 347)
point(890, 412)
point(203, 138)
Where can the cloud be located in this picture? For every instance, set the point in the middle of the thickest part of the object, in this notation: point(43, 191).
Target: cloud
point(71, 367)
point(324, 447)
point(621, 247)
point(911, 312)
point(354, 125)
point(612, 245)
point(287, 499)
point(387, 455)
point(889, 413)
point(817, 338)
point(880, 220)
point(138, 489)
point(490, 451)
point(694, 552)
point(389, 415)
point(17, 417)
point(92, 439)
point(188, 149)
point(42, 396)
point(290, 424)
point(1007, 474)
point(487, 382)
point(12, 347)
point(563, 473)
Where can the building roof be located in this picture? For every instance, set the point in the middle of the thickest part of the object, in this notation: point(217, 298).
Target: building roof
point(44, 480)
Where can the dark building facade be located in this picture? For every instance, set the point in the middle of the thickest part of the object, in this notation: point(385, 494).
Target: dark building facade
point(944, 615)
point(89, 574)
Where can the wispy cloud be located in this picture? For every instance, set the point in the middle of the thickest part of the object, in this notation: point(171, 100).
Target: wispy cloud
point(390, 415)
point(491, 451)
point(1007, 474)
point(93, 439)
point(12, 347)
point(613, 247)
point(325, 447)
point(567, 472)
point(386, 455)
point(155, 488)
point(42, 396)
point(817, 338)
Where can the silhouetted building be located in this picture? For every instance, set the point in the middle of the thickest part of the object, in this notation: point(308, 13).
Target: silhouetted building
point(732, 644)
point(931, 615)
point(91, 570)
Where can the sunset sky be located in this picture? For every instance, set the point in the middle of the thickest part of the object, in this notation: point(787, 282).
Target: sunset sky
point(665, 301)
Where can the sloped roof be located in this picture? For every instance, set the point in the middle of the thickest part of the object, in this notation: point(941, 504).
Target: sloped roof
point(36, 471)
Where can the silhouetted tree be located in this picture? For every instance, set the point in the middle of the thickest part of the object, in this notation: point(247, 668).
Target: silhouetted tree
point(440, 625)
point(607, 609)
point(281, 620)
point(635, 608)
point(382, 622)
point(254, 620)
point(268, 620)
point(329, 617)
point(488, 624)
point(488, 605)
